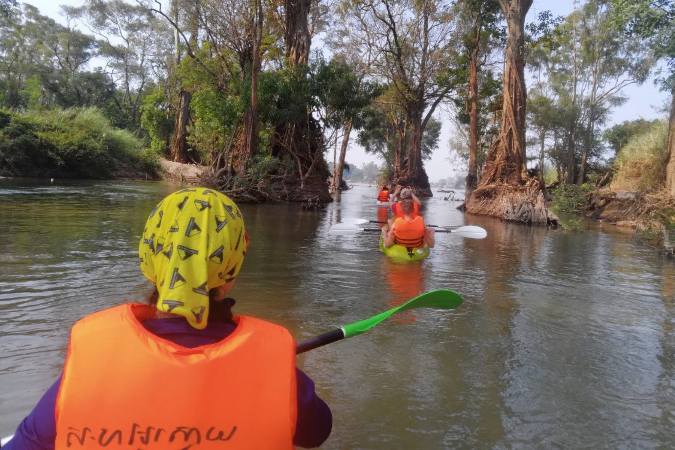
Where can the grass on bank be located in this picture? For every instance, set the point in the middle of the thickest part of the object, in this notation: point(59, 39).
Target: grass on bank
point(639, 165)
point(75, 143)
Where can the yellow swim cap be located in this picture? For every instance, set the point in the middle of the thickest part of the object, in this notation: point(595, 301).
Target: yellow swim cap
point(194, 240)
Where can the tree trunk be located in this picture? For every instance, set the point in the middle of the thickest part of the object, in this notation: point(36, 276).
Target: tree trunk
point(297, 36)
point(415, 147)
point(472, 175)
point(411, 171)
point(505, 190)
point(301, 141)
point(542, 146)
point(506, 158)
point(249, 145)
point(179, 145)
point(588, 142)
point(572, 138)
point(670, 164)
point(337, 175)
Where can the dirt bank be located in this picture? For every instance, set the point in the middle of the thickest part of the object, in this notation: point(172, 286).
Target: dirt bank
point(180, 173)
point(651, 214)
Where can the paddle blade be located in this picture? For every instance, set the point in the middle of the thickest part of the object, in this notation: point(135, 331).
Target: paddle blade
point(439, 299)
point(353, 221)
point(470, 231)
point(344, 228)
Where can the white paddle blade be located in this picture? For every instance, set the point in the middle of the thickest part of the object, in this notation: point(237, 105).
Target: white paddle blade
point(344, 228)
point(471, 232)
point(5, 440)
point(353, 221)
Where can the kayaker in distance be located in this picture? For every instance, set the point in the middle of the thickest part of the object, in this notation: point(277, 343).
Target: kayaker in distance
point(408, 230)
point(181, 371)
point(383, 195)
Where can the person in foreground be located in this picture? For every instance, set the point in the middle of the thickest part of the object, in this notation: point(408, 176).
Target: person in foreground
point(408, 230)
point(181, 371)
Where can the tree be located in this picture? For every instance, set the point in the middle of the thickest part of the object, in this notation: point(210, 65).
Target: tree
point(583, 62)
point(344, 97)
point(178, 147)
point(505, 190)
point(134, 45)
point(381, 132)
point(614, 63)
point(480, 30)
point(45, 64)
point(411, 46)
point(299, 140)
point(651, 21)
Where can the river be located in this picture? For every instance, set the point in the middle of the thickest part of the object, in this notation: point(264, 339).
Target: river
point(565, 339)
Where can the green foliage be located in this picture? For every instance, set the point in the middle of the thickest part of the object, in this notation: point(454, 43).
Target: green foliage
point(619, 135)
point(650, 21)
point(342, 95)
point(550, 175)
point(570, 198)
point(430, 137)
point(568, 203)
point(285, 95)
point(157, 120)
point(65, 143)
point(582, 64)
point(262, 166)
point(639, 164)
point(368, 173)
point(215, 115)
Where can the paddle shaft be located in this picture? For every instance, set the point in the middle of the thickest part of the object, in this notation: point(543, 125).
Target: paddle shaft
point(432, 226)
point(320, 340)
point(437, 230)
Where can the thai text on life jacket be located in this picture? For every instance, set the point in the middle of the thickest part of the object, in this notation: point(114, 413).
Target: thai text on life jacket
point(124, 387)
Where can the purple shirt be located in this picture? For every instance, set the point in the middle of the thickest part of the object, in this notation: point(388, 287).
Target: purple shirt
point(313, 426)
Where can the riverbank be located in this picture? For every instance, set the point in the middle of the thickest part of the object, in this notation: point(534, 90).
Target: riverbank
point(70, 143)
point(650, 215)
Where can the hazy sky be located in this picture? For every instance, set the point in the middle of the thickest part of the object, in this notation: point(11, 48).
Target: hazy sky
point(645, 101)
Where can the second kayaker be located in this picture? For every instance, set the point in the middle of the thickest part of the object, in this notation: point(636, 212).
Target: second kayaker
point(408, 230)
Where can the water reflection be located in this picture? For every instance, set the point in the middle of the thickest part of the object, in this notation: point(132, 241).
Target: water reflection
point(564, 339)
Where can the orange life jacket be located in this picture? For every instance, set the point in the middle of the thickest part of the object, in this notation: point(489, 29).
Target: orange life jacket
point(383, 196)
point(124, 387)
point(410, 234)
point(398, 211)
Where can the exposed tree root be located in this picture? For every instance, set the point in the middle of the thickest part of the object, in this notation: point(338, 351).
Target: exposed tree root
point(525, 204)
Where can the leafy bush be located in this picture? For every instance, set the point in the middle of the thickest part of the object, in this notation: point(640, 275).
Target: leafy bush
point(570, 198)
point(640, 163)
point(78, 142)
point(156, 120)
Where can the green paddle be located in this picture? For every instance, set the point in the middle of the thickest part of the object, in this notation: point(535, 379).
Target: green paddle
point(439, 298)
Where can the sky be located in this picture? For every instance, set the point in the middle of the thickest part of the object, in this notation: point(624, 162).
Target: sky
point(644, 101)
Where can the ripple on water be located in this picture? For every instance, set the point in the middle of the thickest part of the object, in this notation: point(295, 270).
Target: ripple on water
point(564, 339)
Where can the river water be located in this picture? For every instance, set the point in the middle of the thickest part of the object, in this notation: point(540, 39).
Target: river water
point(565, 340)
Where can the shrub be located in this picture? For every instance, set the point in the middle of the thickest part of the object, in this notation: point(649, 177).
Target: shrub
point(640, 163)
point(570, 198)
point(156, 119)
point(78, 142)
